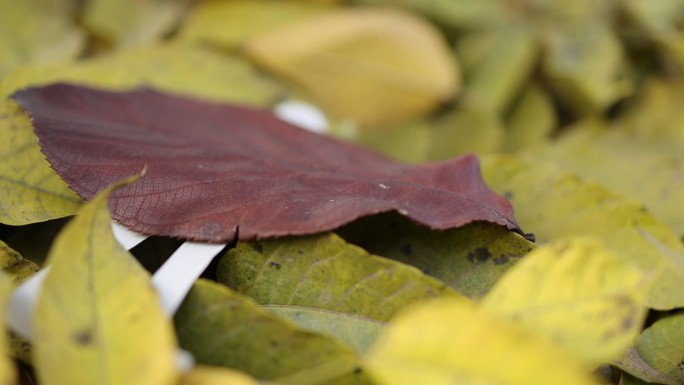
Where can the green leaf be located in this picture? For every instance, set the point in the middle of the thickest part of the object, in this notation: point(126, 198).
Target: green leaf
point(325, 284)
point(556, 204)
point(37, 32)
point(662, 346)
point(577, 292)
point(223, 328)
point(633, 364)
point(355, 331)
point(451, 341)
point(470, 259)
point(98, 319)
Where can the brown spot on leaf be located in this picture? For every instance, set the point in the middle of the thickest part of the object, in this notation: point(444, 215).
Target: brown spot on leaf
point(274, 264)
point(83, 337)
point(479, 255)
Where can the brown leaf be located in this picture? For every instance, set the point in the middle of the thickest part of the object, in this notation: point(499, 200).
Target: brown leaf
point(212, 168)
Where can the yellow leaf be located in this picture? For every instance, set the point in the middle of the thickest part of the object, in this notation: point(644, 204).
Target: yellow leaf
point(556, 204)
point(30, 191)
point(209, 20)
point(451, 341)
point(372, 66)
point(579, 294)
point(12, 263)
point(8, 373)
point(132, 22)
point(214, 375)
point(37, 32)
point(98, 319)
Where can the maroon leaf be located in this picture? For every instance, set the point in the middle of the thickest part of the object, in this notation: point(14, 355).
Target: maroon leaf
point(215, 168)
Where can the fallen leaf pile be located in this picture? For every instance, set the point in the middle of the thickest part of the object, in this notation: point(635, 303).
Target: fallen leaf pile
point(388, 251)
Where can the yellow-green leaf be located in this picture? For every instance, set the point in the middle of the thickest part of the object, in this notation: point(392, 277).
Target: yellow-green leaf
point(622, 162)
point(223, 328)
point(496, 64)
point(373, 66)
point(451, 341)
point(555, 204)
point(98, 319)
point(37, 32)
point(462, 131)
point(211, 375)
point(229, 23)
point(661, 346)
point(469, 259)
point(584, 61)
point(14, 265)
point(325, 284)
point(128, 23)
point(325, 272)
point(633, 364)
point(579, 294)
point(8, 375)
point(531, 122)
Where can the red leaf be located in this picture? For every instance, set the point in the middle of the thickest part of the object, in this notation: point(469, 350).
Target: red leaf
point(214, 168)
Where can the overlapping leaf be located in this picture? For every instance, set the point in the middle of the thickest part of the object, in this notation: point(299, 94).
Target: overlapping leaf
point(577, 292)
point(327, 285)
point(245, 18)
point(469, 259)
point(8, 372)
point(127, 23)
point(98, 319)
point(555, 204)
point(37, 32)
point(226, 329)
point(372, 66)
point(14, 265)
point(29, 190)
point(209, 375)
point(238, 167)
point(452, 341)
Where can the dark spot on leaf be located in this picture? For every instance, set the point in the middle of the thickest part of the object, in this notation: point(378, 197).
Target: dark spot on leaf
point(530, 237)
point(406, 249)
point(258, 247)
point(680, 364)
point(274, 264)
point(508, 194)
point(502, 260)
point(358, 370)
point(479, 255)
point(83, 338)
point(274, 344)
point(300, 252)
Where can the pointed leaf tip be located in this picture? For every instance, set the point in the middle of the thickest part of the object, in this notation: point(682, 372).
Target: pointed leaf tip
point(215, 167)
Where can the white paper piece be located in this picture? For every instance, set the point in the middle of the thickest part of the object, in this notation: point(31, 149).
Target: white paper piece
point(22, 305)
point(127, 238)
point(175, 278)
point(302, 114)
